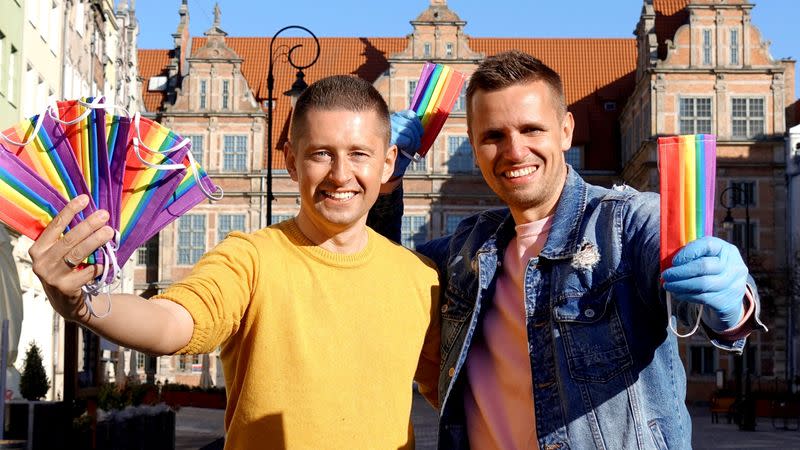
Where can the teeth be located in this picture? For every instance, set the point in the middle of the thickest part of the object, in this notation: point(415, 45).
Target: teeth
point(520, 172)
point(340, 195)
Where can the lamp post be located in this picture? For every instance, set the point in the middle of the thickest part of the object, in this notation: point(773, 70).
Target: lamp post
point(298, 87)
point(745, 404)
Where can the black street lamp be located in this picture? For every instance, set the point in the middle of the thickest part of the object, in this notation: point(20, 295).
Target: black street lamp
point(297, 88)
point(745, 404)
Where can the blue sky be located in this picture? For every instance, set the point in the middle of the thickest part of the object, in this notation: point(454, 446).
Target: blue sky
point(495, 18)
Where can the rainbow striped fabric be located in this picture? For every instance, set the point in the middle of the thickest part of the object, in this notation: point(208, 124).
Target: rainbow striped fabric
point(139, 171)
point(687, 178)
point(437, 90)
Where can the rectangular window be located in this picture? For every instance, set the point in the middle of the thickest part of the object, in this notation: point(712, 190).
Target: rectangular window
point(426, 50)
point(703, 360)
point(203, 85)
point(225, 93)
point(459, 154)
point(147, 254)
point(743, 193)
point(706, 47)
point(574, 157)
point(739, 239)
point(228, 223)
point(747, 117)
point(695, 115)
point(414, 231)
point(2, 59)
point(12, 61)
point(461, 102)
point(55, 38)
point(412, 86)
point(140, 358)
point(419, 166)
point(191, 238)
point(278, 218)
point(451, 222)
point(234, 153)
point(182, 362)
point(448, 49)
point(734, 47)
point(80, 25)
point(197, 147)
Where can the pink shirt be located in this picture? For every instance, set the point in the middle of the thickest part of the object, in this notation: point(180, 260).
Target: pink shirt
point(498, 398)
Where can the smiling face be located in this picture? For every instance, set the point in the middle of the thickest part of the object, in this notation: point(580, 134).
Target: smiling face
point(339, 160)
point(519, 139)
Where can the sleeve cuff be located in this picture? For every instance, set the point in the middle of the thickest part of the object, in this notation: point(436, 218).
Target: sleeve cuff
point(744, 327)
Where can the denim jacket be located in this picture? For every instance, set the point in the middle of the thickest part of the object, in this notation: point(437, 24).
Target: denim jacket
point(606, 370)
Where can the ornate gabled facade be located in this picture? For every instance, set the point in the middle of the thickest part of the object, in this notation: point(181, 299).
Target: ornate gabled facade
point(702, 67)
point(693, 66)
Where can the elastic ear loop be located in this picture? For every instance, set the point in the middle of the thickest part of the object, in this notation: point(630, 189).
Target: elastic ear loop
point(137, 142)
point(36, 127)
point(96, 287)
point(674, 329)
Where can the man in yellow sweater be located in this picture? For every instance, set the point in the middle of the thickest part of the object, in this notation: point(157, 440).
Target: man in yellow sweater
point(321, 336)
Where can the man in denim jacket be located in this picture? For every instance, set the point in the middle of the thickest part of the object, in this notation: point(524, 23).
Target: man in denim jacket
point(554, 320)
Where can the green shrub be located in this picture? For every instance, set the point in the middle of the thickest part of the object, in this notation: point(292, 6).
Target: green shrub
point(33, 383)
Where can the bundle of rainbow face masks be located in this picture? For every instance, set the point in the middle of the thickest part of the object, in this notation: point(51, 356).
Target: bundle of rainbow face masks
point(142, 173)
point(687, 176)
point(437, 90)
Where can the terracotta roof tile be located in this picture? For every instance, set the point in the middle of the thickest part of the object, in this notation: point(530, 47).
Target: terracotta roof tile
point(585, 65)
point(152, 63)
point(670, 15)
point(594, 71)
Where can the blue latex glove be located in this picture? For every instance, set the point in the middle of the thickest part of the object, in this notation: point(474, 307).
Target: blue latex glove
point(406, 135)
point(709, 271)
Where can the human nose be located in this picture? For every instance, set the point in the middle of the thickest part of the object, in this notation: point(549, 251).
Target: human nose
point(341, 172)
point(516, 150)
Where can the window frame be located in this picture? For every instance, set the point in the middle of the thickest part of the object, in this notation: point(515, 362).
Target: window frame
point(194, 250)
point(694, 118)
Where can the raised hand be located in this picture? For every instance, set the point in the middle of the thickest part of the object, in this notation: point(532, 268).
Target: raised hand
point(56, 259)
point(406, 135)
point(709, 271)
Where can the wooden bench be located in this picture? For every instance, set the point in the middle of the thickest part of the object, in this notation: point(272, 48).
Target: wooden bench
point(723, 405)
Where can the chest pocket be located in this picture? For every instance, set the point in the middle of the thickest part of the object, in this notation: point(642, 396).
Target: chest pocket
point(592, 336)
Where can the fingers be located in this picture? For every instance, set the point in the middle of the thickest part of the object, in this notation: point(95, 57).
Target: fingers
point(56, 227)
point(704, 246)
point(693, 288)
point(709, 265)
point(84, 238)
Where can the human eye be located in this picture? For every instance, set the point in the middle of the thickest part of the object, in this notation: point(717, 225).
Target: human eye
point(321, 155)
point(492, 136)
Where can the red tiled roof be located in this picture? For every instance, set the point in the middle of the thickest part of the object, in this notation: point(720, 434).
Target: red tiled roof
point(670, 15)
point(152, 63)
point(585, 65)
point(593, 70)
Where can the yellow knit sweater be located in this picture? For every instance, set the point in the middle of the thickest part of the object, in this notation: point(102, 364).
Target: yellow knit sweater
point(319, 349)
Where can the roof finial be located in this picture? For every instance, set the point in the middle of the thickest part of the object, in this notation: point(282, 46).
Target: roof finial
point(217, 14)
point(438, 2)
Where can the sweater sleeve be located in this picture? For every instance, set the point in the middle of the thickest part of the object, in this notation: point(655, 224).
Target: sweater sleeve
point(217, 292)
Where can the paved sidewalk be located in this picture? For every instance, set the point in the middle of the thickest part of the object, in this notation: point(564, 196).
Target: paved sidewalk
point(198, 428)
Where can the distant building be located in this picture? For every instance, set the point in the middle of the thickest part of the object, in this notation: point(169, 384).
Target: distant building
point(694, 66)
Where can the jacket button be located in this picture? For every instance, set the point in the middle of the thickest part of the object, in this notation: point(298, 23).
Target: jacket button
point(444, 309)
point(451, 372)
point(589, 313)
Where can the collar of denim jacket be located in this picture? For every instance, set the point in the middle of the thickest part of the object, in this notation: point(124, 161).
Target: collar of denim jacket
point(562, 242)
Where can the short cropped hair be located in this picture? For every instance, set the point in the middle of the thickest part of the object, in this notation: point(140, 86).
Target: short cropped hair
point(511, 68)
point(340, 92)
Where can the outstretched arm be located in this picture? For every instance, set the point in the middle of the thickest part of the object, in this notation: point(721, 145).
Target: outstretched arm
point(156, 327)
